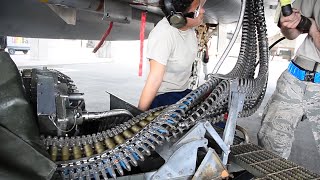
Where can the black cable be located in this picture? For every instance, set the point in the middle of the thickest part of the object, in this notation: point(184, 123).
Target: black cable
point(273, 44)
point(279, 40)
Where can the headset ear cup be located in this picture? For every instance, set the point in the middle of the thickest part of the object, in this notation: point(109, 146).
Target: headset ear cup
point(177, 20)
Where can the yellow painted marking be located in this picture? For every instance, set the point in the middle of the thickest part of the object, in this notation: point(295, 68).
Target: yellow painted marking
point(285, 2)
point(44, 1)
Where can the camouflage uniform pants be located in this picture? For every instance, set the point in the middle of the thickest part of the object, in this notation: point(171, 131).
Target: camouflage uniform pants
point(291, 100)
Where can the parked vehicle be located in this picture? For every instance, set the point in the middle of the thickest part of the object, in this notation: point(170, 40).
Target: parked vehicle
point(17, 44)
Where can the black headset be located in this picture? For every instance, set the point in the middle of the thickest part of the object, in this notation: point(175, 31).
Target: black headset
point(176, 19)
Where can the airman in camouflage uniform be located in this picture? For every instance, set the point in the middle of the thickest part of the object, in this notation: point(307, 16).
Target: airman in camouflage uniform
point(295, 97)
point(292, 100)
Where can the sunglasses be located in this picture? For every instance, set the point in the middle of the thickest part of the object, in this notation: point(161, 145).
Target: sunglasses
point(194, 14)
point(197, 12)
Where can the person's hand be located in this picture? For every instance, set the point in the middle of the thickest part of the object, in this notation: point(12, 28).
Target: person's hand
point(292, 21)
point(313, 29)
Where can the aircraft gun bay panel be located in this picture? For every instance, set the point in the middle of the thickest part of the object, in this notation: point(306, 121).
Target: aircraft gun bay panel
point(90, 19)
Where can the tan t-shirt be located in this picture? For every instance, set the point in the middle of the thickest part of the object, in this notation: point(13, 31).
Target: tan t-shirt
point(311, 9)
point(176, 50)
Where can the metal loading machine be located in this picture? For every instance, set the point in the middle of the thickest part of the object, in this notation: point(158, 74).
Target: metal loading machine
point(179, 141)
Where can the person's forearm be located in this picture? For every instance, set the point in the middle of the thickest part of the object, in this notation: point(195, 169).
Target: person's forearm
point(147, 96)
point(152, 85)
point(316, 39)
point(314, 32)
point(290, 33)
point(149, 92)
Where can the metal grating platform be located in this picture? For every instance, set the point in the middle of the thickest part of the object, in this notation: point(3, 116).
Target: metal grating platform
point(265, 165)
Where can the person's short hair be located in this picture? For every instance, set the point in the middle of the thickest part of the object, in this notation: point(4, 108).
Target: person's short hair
point(182, 6)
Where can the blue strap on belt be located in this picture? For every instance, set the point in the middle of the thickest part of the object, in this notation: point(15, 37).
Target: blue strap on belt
point(317, 78)
point(296, 72)
point(301, 74)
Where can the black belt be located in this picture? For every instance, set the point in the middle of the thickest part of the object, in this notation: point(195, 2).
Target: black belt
point(303, 75)
point(307, 64)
